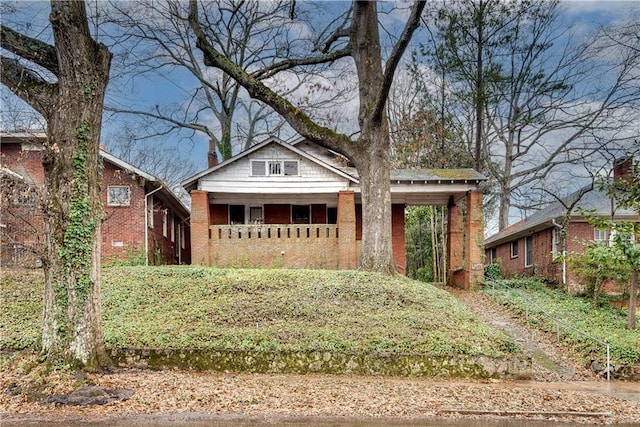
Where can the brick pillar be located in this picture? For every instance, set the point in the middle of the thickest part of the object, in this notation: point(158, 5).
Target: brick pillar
point(347, 230)
point(473, 247)
point(200, 227)
point(454, 242)
point(398, 238)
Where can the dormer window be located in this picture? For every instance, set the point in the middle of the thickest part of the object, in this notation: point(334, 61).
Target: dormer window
point(274, 167)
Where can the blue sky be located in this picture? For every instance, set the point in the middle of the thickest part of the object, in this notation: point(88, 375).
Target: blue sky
point(169, 88)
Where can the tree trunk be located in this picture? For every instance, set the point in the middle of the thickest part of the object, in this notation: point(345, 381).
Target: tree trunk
point(633, 295)
point(373, 161)
point(72, 331)
point(374, 169)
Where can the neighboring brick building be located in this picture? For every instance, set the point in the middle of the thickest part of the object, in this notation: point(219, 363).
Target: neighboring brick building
point(530, 247)
point(298, 205)
point(143, 218)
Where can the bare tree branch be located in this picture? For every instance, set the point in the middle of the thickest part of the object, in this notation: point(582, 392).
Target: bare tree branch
point(29, 48)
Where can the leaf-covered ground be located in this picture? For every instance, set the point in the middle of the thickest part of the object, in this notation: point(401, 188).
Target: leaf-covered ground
point(289, 310)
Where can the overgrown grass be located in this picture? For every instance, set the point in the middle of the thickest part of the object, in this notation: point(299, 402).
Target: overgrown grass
point(607, 324)
point(269, 310)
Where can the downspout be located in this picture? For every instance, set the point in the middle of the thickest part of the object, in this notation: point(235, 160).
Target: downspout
point(146, 224)
point(564, 254)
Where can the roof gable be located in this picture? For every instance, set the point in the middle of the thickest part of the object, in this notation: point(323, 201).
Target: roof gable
point(192, 182)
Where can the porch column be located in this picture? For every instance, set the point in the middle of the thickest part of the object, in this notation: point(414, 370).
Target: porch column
point(473, 247)
point(455, 244)
point(200, 227)
point(346, 230)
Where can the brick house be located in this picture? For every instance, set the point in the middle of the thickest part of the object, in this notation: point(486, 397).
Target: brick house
point(530, 247)
point(298, 206)
point(143, 219)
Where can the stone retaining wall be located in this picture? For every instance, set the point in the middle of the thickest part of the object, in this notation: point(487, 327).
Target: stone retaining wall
point(323, 362)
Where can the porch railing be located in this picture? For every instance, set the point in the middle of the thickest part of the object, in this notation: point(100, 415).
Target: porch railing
point(264, 232)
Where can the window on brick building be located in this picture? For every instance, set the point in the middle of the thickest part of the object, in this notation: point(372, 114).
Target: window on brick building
point(492, 255)
point(118, 195)
point(165, 223)
point(514, 249)
point(172, 224)
point(528, 251)
point(600, 235)
point(556, 239)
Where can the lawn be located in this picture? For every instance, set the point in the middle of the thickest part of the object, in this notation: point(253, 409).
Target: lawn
point(263, 310)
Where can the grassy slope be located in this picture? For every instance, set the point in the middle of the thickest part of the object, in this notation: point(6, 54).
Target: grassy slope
point(193, 307)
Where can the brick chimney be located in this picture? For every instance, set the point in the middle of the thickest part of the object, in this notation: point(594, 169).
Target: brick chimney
point(211, 155)
point(622, 168)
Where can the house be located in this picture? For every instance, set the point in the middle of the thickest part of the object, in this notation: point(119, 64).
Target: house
point(143, 220)
point(531, 247)
point(298, 205)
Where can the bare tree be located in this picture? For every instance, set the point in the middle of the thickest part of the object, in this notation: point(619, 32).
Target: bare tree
point(357, 38)
point(543, 100)
point(212, 103)
point(65, 82)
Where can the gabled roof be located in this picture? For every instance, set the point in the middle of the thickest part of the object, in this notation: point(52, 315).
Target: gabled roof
point(191, 182)
point(37, 137)
point(595, 200)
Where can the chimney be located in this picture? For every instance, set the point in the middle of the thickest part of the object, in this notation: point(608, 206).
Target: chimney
point(622, 168)
point(211, 155)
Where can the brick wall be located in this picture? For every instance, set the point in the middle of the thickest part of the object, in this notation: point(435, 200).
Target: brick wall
point(123, 226)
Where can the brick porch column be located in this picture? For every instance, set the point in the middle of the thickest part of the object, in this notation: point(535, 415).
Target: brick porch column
point(474, 236)
point(455, 243)
point(346, 230)
point(200, 227)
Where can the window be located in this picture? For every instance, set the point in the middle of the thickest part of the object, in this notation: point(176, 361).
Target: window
point(173, 228)
point(236, 214)
point(600, 235)
point(528, 251)
point(556, 239)
point(164, 223)
point(274, 168)
point(256, 215)
point(258, 168)
point(332, 215)
point(514, 249)
point(492, 255)
point(290, 167)
point(300, 214)
point(118, 195)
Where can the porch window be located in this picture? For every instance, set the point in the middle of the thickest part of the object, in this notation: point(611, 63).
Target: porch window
point(332, 215)
point(300, 214)
point(118, 195)
point(236, 214)
point(514, 249)
point(528, 251)
point(256, 215)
